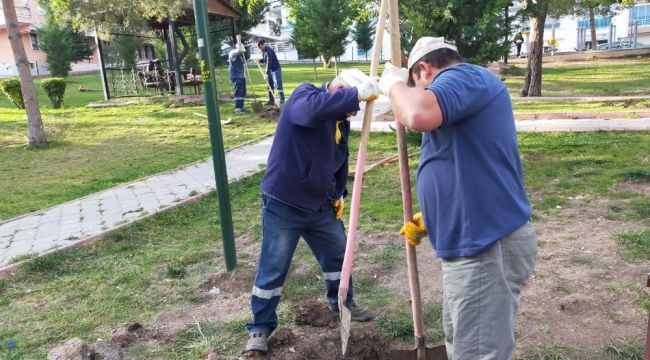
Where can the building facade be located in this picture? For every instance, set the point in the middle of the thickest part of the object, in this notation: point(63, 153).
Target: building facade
point(628, 28)
point(30, 18)
point(276, 31)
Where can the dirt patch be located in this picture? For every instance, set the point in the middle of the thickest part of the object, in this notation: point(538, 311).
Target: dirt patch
point(270, 112)
point(583, 289)
point(313, 313)
point(637, 187)
point(236, 281)
point(308, 343)
point(582, 293)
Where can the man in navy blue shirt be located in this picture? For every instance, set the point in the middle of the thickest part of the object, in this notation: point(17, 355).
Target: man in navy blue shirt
point(273, 73)
point(237, 74)
point(302, 195)
point(470, 188)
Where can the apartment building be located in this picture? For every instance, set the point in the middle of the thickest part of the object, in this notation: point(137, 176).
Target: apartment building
point(30, 17)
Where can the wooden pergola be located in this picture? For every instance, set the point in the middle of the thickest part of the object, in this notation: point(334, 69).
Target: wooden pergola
point(218, 10)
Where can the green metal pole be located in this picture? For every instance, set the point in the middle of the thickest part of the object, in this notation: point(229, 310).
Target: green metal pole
point(216, 138)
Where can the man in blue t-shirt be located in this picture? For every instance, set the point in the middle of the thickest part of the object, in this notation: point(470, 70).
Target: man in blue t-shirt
point(273, 73)
point(237, 74)
point(470, 187)
point(302, 195)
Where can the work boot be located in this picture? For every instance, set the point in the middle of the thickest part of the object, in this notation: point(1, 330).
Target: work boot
point(257, 342)
point(358, 313)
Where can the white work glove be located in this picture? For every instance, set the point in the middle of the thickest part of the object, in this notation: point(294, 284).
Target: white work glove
point(266, 77)
point(391, 76)
point(367, 88)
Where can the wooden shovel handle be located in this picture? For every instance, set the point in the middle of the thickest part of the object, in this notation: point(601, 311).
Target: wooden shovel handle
point(405, 179)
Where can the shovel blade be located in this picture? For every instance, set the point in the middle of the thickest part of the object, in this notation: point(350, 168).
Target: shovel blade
point(438, 352)
point(346, 318)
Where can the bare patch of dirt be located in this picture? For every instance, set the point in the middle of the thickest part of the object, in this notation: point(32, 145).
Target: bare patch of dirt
point(366, 342)
point(235, 281)
point(581, 295)
point(583, 290)
point(313, 313)
point(270, 112)
point(637, 187)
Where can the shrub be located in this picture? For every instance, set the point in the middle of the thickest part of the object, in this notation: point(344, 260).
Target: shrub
point(54, 88)
point(11, 88)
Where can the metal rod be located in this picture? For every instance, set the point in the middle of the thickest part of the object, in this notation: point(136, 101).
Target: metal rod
point(216, 138)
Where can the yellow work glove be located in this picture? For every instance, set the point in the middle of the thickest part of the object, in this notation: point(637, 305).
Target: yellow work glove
point(338, 206)
point(414, 230)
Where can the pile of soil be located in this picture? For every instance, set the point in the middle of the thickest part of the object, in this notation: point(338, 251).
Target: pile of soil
point(270, 112)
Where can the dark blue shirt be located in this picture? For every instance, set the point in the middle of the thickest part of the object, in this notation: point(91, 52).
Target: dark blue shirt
point(470, 181)
point(236, 63)
point(306, 166)
point(268, 56)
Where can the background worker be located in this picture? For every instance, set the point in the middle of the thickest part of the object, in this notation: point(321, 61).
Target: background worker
point(518, 40)
point(237, 74)
point(470, 188)
point(273, 72)
point(302, 196)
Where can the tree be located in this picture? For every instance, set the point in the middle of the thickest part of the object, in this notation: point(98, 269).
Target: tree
point(81, 46)
point(477, 28)
point(114, 15)
point(252, 14)
point(536, 11)
point(602, 8)
point(36, 133)
point(326, 21)
point(59, 46)
point(127, 46)
point(363, 34)
point(305, 43)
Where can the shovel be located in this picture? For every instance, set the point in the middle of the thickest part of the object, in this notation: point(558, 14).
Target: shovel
point(421, 352)
point(256, 104)
point(350, 246)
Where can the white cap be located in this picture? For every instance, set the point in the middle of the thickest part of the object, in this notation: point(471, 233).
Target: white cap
point(425, 45)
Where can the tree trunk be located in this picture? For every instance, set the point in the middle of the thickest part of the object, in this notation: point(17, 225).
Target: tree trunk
point(327, 61)
point(592, 27)
point(533, 77)
point(314, 61)
point(36, 132)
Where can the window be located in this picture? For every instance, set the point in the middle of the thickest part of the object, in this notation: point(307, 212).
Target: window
point(34, 38)
point(600, 23)
point(362, 53)
point(641, 13)
point(285, 47)
point(549, 25)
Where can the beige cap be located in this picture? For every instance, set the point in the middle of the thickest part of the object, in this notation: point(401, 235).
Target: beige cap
point(425, 45)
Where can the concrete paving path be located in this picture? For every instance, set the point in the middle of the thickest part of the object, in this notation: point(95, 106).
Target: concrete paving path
point(88, 218)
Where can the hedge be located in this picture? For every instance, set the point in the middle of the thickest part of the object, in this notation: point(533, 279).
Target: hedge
point(11, 88)
point(55, 89)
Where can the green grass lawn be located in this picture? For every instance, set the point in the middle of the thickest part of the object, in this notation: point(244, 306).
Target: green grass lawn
point(93, 149)
point(35, 304)
point(620, 78)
